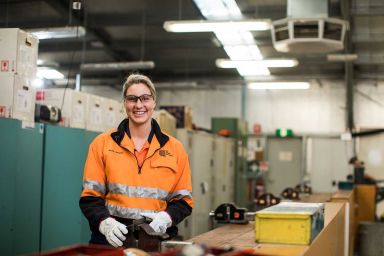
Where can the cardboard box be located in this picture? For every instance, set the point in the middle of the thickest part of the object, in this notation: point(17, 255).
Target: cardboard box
point(289, 223)
point(94, 118)
point(17, 97)
point(183, 115)
point(121, 113)
point(73, 105)
point(166, 121)
point(18, 52)
point(259, 155)
point(112, 113)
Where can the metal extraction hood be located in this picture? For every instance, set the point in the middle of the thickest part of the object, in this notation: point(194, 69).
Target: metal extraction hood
point(308, 29)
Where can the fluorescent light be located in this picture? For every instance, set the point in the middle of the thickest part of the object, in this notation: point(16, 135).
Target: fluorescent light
point(58, 32)
point(48, 73)
point(211, 26)
point(237, 40)
point(272, 63)
point(47, 63)
point(38, 83)
point(247, 52)
point(117, 65)
point(279, 85)
point(243, 52)
point(216, 9)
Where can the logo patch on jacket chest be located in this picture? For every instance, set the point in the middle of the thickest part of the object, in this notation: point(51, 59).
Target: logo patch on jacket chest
point(114, 151)
point(164, 153)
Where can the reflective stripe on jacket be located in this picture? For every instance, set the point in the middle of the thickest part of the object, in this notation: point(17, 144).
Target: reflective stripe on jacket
point(111, 173)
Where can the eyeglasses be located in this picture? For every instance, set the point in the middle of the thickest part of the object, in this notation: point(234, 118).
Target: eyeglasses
point(145, 98)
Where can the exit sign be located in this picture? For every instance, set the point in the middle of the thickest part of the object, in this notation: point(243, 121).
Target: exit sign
point(284, 133)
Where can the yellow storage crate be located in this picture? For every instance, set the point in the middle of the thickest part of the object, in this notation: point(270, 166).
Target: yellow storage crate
point(289, 223)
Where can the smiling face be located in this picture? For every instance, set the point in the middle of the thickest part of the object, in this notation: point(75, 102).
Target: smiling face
point(139, 111)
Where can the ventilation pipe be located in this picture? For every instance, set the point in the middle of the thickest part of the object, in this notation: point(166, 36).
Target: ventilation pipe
point(117, 66)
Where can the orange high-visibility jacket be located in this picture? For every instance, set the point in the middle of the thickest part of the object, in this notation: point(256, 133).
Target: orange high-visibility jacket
point(114, 184)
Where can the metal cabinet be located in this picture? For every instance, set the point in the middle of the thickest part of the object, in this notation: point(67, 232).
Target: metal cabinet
point(223, 170)
point(328, 162)
point(285, 163)
point(238, 130)
point(41, 173)
point(198, 146)
point(65, 153)
point(20, 187)
point(185, 137)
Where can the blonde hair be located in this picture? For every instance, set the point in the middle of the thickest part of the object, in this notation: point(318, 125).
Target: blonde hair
point(139, 79)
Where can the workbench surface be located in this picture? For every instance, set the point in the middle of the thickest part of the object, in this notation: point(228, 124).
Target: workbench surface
point(330, 241)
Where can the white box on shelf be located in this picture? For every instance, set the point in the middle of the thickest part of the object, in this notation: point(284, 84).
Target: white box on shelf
point(17, 97)
point(121, 112)
point(18, 52)
point(94, 118)
point(111, 113)
point(73, 105)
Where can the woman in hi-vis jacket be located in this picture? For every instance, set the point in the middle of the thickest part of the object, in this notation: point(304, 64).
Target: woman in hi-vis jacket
point(135, 170)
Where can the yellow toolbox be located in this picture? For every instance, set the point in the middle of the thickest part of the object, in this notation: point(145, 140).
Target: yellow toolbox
point(289, 223)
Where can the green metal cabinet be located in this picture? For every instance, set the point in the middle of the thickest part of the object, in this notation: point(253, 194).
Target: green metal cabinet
point(239, 131)
point(20, 187)
point(64, 158)
point(41, 172)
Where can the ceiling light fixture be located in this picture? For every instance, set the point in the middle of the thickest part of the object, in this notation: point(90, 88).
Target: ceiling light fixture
point(48, 73)
point(47, 63)
point(271, 63)
point(58, 32)
point(238, 42)
point(279, 85)
point(38, 83)
point(212, 26)
point(117, 66)
point(218, 9)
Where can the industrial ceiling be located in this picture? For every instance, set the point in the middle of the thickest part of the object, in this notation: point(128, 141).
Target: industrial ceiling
point(122, 30)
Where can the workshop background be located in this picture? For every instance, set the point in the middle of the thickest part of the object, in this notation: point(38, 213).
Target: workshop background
point(270, 96)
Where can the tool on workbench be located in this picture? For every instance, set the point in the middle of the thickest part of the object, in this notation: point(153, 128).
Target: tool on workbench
point(230, 213)
point(266, 200)
point(290, 193)
point(303, 188)
point(142, 236)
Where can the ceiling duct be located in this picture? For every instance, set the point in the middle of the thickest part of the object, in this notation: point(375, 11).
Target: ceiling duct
point(342, 57)
point(117, 66)
point(308, 29)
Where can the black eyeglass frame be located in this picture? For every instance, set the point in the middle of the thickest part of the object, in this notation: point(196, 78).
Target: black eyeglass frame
point(134, 98)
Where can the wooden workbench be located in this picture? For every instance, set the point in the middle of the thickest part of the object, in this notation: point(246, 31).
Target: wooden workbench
point(348, 198)
point(316, 198)
point(329, 242)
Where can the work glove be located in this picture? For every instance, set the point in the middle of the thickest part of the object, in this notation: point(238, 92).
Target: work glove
point(113, 231)
point(160, 221)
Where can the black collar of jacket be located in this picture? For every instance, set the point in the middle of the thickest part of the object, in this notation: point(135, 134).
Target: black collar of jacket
point(128, 132)
point(123, 126)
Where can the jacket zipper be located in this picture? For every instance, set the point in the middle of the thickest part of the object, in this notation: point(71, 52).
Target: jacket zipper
point(137, 161)
point(146, 159)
